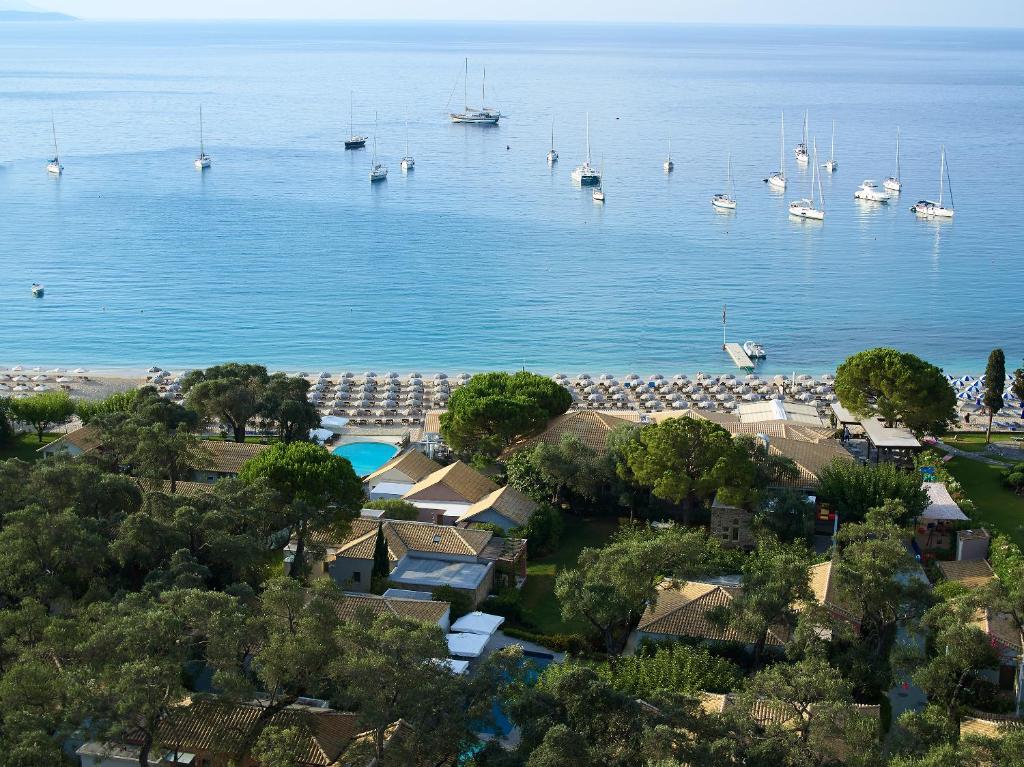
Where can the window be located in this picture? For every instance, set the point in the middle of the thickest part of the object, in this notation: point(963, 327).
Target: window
point(356, 576)
point(735, 533)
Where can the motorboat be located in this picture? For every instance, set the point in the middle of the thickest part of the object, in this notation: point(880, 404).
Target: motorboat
point(778, 178)
point(930, 209)
point(202, 162)
point(354, 141)
point(893, 183)
point(598, 194)
point(870, 192)
point(483, 115)
point(586, 174)
point(754, 350)
point(725, 200)
point(37, 290)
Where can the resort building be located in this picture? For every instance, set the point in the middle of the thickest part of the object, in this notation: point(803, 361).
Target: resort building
point(971, 574)
point(422, 557)
point(414, 608)
point(208, 733)
point(732, 525)
point(590, 427)
point(73, 444)
point(936, 526)
point(398, 476)
point(222, 460)
point(1008, 642)
point(506, 507)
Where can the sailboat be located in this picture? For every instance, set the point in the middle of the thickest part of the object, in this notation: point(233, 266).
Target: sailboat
point(778, 178)
point(806, 208)
point(408, 163)
point(485, 115)
point(353, 141)
point(203, 160)
point(378, 171)
point(53, 166)
point(552, 154)
point(893, 183)
point(937, 209)
point(584, 174)
point(598, 193)
point(832, 165)
point(668, 165)
point(726, 200)
point(801, 149)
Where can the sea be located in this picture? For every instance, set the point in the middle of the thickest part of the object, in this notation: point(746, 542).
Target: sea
point(483, 257)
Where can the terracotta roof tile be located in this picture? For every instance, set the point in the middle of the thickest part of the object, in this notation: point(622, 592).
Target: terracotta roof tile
point(972, 573)
point(1000, 627)
point(86, 439)
point(403, 537)
point(412, 463)
point(591, 427)
point(506, 501)
point(988, 725)
point(226, 457)
point(424, 610)
point(461, 479)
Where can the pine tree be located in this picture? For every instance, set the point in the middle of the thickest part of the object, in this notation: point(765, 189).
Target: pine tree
point(995, 384)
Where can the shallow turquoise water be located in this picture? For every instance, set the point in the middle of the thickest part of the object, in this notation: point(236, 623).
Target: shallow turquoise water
point(366, 457)
point(483, 257)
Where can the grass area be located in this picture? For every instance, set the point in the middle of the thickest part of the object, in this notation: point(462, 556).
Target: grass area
point(974, 442)
point(24, 446)
point(538, 595)
point(998, 508)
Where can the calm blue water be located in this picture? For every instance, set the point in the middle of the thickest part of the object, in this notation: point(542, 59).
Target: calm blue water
point(482, 257)
point(366, 457)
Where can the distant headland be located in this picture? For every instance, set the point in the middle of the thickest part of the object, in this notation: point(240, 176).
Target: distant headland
point(29, 13)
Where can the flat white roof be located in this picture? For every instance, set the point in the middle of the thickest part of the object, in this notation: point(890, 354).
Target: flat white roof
point(776, 410)
point(887, 436)
point(843, 415)
point(942, 506)
point(458, 667)
point(478, 623)
point(333, 422)
point(420, 571)
point(397, 489)
point(466, 645)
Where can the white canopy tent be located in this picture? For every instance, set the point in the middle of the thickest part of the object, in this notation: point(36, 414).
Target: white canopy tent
point(942, 506)
point(334, 423)
point(478, 623)
point(466, 645)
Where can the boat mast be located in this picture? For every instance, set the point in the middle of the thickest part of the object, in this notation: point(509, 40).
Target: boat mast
point(465, 86)
point(948, 182)
point(942, 173)
point(588, 139)
point(552, 134)
point(897, 153)
point(821, 195)
point(782, 148)
point(373, 162)
point(832, 151)
point(53, 126)
point(202, 146)
point(806, 114)
point(728, 172)
point(351, 124)
point(483, 90)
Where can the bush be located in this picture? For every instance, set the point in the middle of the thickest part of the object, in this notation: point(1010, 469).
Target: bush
point(489, 527)
point(1006, 558)
point(394, 508)
point(460, 602)
point(543, 531)
point(567, 643)
point(6, 430)
point(671, 668)
point(508, 603)
point(1013, 478)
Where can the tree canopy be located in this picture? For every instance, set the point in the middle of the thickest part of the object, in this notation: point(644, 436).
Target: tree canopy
point(43, 411)
point(233, 393)
point(851, 489)
point(493, 410)
point(897, 387)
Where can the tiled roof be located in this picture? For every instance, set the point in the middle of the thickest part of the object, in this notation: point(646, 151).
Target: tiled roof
point(181, 488)
point(682, 610)
point(768, 712)
point(86, 439)
point(591, 427)
point(210, 726)
point(226, 457)
point(424, 610)
point(432, 420)
point(822, 582)
point(988, 725)
point(972, 573)
point(461, 479)
point(506, 501)
point(403, 537)
point(412, 463)
point(1000, 627)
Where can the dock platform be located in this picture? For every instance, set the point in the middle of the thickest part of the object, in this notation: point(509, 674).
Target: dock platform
point(739, 357)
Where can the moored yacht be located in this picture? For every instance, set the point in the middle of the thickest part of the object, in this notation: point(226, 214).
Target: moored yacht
point(408, 163)
point(54, 167)
point(725, 200)
point(552, 154)
point(870, 192)
point(931, 209)
point(484, 115)
point(833, 164)
point(378, 171)
point(37, 290)
point(778, 178)
point(585, 174)
point(754, 350)
point(807, 208)
point(354, 141)
point(668, 165)
point(598, 193)
point(800, 151)
point(893, 183)
point(203, 161)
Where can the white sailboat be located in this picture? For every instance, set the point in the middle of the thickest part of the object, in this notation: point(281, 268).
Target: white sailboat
point(598, 193)
point(931, 209)
point(584, 174)
point(552, 154)
point(869, 192)
point(203, 161)
point(778, 178)
point(378, 171)
point(53, 166)
point(668, 165)
point(808, 208)
point(353, 141)
point(485, 115)
point(408, 163)
point(893, 183)
point(726, 200)
point(801, 149)
point(832, 165)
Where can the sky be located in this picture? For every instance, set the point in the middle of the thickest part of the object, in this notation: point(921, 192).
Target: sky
point(992, 13)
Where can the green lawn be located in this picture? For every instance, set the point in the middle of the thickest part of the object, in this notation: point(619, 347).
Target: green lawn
point(998, 508)
point(974, 442)
point(24, 447)
point(538, 598)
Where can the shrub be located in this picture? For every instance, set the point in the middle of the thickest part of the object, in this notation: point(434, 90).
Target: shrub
point(853, 488)
point(1013, 477)
point(1006, 558)
point(394, 508)
point(567, 643)
point(460, 602)
point(508, 603)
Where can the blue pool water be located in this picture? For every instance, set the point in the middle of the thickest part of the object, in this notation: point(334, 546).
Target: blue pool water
point(366, 457)
point(502, 724)
point(483, 257)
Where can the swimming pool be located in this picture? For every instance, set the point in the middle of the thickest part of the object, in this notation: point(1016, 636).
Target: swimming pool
point(366, 457)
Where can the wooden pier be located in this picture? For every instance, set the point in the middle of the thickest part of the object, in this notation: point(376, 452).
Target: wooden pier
point(739, 357)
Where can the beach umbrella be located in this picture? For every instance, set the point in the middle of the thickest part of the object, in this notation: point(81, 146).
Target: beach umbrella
point(606, 377)
point(21, 387)
point(679, 405)
point(656, 377)
point(80, 371)
point(583, 377)
point(17, 368)
point(464, 376)
point(595, 398)
point(20, 378)
point(391, 374)
point(619, 397)
point(680, 377)
point(440, 376)
point(39, 378)
point(4, 387)
point(65, 379)
point(632, 377)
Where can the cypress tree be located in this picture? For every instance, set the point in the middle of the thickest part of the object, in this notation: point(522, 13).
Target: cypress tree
point(995, 384)
point(381, 563)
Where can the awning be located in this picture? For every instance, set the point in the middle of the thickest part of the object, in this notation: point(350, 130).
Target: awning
point(466, 645)
point(889, 437)
point(333, 422)
point(320, 435)
point(942, 506)
point(478, 623)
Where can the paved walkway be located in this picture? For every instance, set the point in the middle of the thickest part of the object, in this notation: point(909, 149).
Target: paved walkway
point(980, 457)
